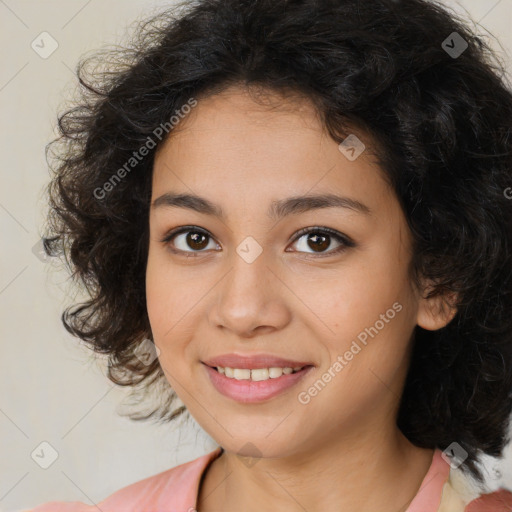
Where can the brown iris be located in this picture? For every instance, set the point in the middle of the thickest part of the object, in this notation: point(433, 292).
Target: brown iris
point(197, 240)
point(321, 242)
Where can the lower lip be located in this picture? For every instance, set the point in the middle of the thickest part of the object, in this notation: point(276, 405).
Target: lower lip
point(248, 391)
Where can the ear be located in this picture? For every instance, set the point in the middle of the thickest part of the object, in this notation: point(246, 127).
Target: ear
point(436, 312)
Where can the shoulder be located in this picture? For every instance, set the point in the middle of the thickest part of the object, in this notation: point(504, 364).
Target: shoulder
point(497, 501)
point(462, 490)
point(172, 490)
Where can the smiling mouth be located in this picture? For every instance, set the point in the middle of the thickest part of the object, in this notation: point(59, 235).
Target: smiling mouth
point(255, 385)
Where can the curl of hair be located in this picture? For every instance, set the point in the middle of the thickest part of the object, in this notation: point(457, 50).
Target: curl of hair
point(442, 132)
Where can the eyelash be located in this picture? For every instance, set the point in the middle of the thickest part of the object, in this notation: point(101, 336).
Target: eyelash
point(345, 241)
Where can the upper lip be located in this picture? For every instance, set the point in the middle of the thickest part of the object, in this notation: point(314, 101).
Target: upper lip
point(254, 361)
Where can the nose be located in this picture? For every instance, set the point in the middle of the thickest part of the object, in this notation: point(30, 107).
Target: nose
point(250, 300)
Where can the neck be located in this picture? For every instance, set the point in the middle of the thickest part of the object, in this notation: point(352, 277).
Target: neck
point(382, 471)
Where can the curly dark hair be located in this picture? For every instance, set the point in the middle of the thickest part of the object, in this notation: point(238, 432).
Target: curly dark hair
point(442, 123)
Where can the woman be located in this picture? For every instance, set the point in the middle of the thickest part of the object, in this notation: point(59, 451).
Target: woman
point(300, 208)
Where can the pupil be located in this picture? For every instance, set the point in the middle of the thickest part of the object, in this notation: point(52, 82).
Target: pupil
point(193, 240)
point(322, 245)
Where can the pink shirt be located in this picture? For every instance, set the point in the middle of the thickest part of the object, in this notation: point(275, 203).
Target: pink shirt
point(176, 490)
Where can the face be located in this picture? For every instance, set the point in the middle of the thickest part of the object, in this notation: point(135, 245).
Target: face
point(247, 272)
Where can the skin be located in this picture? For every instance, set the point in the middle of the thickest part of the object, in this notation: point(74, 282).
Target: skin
point(342, 450)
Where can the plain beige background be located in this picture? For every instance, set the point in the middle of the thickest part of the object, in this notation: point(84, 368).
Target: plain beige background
point(51, 389)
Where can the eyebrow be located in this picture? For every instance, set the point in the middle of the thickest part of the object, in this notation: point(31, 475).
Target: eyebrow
point(277, 210)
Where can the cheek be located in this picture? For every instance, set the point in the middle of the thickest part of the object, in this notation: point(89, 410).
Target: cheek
point(166, 291)
point(371, 317)
point(164, 310)
point(356, 296)
point(155, 297)
point(369, 300)
point(173, 301)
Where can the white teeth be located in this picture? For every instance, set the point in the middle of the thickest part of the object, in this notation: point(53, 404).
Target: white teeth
point(260, 374)
point(273, 373)
point(241, 374)
point(256, 374)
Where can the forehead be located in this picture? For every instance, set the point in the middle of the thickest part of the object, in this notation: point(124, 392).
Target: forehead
point(230, 144)
point(246, 120)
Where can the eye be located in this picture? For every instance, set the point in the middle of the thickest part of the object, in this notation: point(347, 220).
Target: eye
point(320, 238)
point(191, 237)
point(181, 240)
